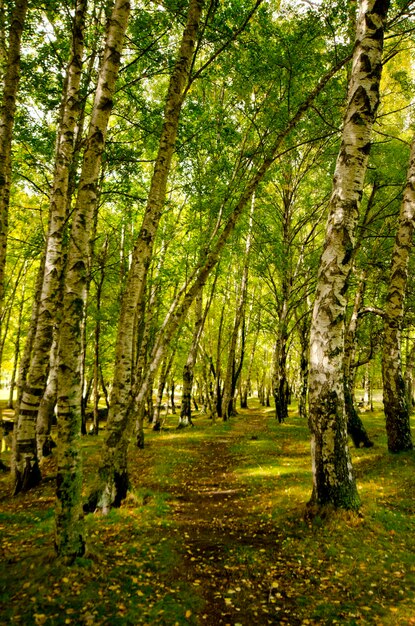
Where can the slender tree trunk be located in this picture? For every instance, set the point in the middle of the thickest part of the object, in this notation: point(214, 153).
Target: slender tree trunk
point(355, 427)
point(114, 467)
point(97, 334)
point(280, 386)
point(3, 46)
point(172, 396)
point(47, 405)
point(394, 399)
point(7, 115)
point(30, 335)
point(8, 306)
point(68, 536)
point(246, 387)
point(188, 370)
point(26, 462)
point(333, 479)
point(409, 378)
point(279, 378)
point(231, 380)
point(217, 370)
point(164, 374)
point(17, 340)
point(304, 330)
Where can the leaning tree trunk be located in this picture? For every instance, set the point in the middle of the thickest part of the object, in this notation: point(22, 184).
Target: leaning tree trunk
point(33, 386)
point(395, 404)
point(68, 536)
point(164, 374)
point(333, 479)
point(114, 471)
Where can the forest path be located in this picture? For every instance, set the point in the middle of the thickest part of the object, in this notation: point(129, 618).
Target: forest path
point(232, 547)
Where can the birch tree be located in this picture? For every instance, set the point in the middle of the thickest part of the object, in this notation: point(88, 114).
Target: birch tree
point(395, 403)
point(68, 533)
point(333, 479)
point(355, 427)
point(113, 469)
point(7, 115)
point(26, 468)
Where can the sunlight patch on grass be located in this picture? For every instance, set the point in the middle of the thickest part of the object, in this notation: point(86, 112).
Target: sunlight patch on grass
point(271, 471)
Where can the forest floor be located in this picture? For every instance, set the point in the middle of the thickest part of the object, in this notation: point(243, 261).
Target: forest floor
point(215, 532)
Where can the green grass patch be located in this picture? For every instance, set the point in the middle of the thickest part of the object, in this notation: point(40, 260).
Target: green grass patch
point(214, 529)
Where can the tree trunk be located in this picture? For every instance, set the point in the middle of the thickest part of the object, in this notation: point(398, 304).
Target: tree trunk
point(68, 537)
point(188, 370)
point(355, 427)
point(409, 378)
point(394, 399)
point(246, 387)
point(231, 378)
point(7, 115)
point(47, 407)
point(280, 387)
point(304, 331)
point(172, 396)
point(17, 341)
point(114, 471)
point(333, 479)
point(164, 374)
point(97, 334)
point(35, 382)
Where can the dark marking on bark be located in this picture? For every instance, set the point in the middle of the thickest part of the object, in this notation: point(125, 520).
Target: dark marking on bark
point(34, 391)
point(362, 100)
point(122, 484)
point(366, 148)
point(106, 104)
point(365, 64)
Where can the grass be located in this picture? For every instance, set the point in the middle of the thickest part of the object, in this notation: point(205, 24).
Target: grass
point(214, 532)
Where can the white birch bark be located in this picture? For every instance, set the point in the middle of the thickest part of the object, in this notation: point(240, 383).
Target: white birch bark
point(395, 404)
point(68, 530)
point(333, 479)
point(26, 460)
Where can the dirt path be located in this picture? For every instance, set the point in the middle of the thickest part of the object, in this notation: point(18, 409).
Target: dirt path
point(231, 551)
